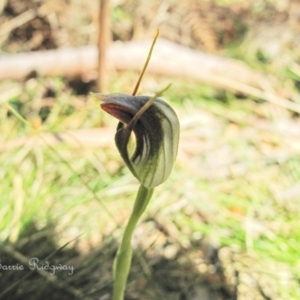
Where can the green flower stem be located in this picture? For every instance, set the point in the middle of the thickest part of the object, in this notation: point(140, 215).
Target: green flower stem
point(123, 258)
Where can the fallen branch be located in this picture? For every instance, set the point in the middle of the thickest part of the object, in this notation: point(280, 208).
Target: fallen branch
point(100, 137)
point(169, 59)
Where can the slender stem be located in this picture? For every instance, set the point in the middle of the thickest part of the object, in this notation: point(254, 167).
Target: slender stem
point(123, 258)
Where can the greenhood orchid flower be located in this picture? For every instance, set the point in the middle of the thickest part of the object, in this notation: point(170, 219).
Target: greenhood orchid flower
point(156, 129)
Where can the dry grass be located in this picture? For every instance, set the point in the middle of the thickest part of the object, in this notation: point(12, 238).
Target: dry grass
point(224, 226)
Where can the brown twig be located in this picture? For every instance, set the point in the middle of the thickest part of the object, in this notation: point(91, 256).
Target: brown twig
point(102, 43)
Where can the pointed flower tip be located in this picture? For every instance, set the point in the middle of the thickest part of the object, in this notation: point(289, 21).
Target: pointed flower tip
point(156, 132)
point(102, 97)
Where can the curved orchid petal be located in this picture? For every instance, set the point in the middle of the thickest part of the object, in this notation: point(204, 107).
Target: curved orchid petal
point(156, 131)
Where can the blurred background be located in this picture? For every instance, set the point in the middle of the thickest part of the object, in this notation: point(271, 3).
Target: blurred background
point(225, 225)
